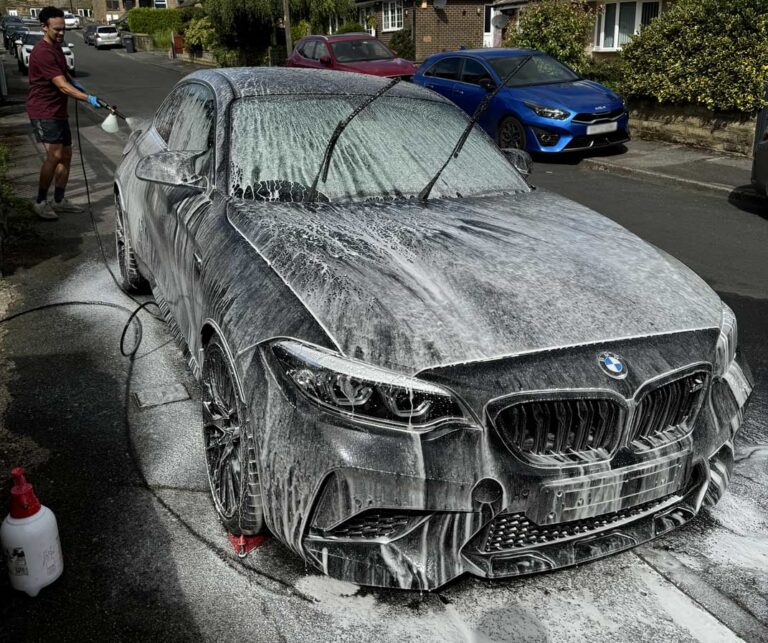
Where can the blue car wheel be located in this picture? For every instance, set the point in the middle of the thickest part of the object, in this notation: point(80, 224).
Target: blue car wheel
point(510, 133)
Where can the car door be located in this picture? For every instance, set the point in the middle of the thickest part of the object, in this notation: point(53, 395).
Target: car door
point(443, 76)
point(467, 92)
point(760, 161)
point(183, 208)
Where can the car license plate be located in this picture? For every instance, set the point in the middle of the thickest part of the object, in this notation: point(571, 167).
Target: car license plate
point(602, 128)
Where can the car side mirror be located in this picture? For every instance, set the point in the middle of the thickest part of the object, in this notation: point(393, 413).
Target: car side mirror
point(325, 59)
point(520, 160)
point(178, 169)
point(487, 84)
point(70, 45)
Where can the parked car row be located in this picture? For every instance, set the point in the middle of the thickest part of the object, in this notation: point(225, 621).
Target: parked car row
point(26, 42)
point(101, 36)
point(543, 107)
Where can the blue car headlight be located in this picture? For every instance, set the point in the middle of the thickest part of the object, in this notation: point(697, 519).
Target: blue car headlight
point(547, 112)
point(361, 391)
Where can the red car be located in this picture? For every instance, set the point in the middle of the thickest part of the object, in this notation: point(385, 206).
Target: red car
point(358, 52)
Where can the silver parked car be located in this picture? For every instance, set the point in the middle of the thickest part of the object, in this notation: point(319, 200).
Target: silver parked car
point(414, 365)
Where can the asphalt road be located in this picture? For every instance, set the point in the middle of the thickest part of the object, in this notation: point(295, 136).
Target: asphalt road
point(144, 555)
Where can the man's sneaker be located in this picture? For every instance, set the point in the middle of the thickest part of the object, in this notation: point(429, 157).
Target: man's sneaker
point(65, 205)
point(45, 211)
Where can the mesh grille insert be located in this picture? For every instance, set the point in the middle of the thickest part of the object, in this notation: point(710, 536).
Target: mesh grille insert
point(515, 531)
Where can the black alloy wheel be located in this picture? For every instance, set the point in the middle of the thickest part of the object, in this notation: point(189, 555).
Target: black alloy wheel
point(131, 280)
point(230, 454)
point(510, 133)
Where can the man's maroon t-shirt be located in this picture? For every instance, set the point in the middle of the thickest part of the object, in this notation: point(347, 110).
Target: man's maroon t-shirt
point(44, 99)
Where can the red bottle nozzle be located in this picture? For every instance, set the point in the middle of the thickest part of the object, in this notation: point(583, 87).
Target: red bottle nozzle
point(24, 502)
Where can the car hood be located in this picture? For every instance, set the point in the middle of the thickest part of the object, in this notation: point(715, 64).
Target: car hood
point(580, 96)
point(409, 286)
point(394, 67)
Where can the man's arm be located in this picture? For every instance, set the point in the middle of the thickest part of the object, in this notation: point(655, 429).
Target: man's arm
point(65, 87)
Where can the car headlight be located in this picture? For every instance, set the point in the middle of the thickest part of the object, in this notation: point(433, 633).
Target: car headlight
point(547, 112)
point(363, 391)
point(725, 352)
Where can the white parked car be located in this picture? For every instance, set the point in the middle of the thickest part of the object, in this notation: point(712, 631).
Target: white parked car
point(27, 43)
point(71, 21)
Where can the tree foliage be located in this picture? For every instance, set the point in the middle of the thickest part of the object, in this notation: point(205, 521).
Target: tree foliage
point(250, 24)
point(709, 52)
point(560, 28)
point(402, 43)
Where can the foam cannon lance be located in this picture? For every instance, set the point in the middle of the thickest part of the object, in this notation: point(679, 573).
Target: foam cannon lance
point(110, 124)
point(29, 537)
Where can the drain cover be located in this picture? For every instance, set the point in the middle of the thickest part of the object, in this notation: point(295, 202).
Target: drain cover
point(161, 395)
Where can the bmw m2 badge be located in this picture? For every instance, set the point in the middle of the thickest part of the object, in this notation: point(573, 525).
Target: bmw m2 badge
point(612, 365)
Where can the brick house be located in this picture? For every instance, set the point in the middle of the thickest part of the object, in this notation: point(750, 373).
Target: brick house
point(616, 21)
point(478, 23)
point(109, 10)
point(433, 28)
point(31, 8)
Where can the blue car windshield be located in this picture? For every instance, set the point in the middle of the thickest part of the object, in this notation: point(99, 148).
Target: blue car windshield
point(391, 149)
point(538, 70)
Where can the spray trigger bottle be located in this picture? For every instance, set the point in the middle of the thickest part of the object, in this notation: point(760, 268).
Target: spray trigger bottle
point(29, 537)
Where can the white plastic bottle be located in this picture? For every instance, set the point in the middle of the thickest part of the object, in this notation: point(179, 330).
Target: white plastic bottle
point(30, 539)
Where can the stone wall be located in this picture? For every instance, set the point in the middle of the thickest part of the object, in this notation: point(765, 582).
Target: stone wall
point(693, 125)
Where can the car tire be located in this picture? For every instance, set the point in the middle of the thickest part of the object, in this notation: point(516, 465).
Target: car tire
point(510, 133)
point(72, 73)
point(231, 456)
point(131, 280)
point(97, 46)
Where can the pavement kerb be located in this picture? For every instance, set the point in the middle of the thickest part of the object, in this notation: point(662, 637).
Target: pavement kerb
point(615, 168)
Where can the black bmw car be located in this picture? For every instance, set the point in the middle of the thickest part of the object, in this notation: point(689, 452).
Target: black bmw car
point(413, 364)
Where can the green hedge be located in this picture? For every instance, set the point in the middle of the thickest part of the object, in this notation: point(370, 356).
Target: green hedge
point(560, 28)
point(402, 43)
point(707, 52)
point(154, 20)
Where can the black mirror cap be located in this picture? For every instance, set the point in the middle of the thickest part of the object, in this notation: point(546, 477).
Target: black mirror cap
point(520, 159)
point(487, 84)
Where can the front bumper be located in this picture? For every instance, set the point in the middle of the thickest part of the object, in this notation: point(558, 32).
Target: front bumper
point(398, 509)
point(573, 137)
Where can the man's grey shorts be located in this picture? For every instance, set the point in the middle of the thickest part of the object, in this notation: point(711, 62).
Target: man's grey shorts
point(52, 130)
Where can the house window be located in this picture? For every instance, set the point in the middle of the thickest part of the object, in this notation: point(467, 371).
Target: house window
point(13, 12)
point(34, 12)
point(160, 4)
point(619, 21)
point(393, 16)
point(113, 5)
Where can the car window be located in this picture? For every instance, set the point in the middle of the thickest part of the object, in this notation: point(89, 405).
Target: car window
point(474, 71)
point(447, 68)
point(377, 155)
point(107, 30)
point(308, 49)
point(192, 129)
point(538, 70)
point(321, 49)
point(347, 51)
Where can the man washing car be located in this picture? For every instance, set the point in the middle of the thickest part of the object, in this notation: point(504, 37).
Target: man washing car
point(50, 88)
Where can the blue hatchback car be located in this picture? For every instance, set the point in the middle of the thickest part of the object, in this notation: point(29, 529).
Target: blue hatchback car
point(544, 107)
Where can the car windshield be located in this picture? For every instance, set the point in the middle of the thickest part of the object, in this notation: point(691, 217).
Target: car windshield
point(539, 70)
point(391, 149)
point(32, 38)
point(107, 30)
point(352, 51)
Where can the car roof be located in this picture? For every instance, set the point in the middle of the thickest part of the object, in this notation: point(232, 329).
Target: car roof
point(355, 35)
point(487, 54)
point(275, 81)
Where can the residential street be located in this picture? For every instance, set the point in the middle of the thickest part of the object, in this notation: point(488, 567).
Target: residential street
point(145, 557)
